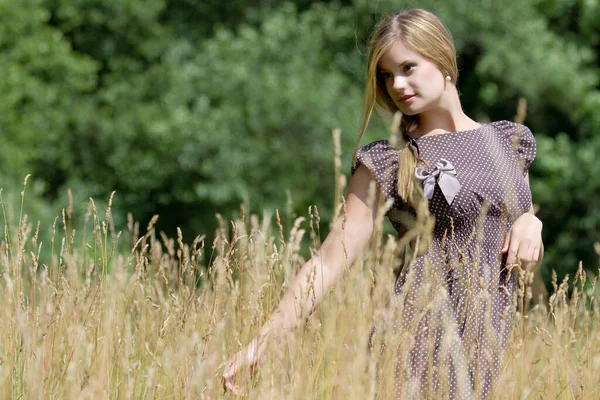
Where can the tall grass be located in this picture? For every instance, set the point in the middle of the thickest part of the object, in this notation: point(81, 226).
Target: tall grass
point(159, 320)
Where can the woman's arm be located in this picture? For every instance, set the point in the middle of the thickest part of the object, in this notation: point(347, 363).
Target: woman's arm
point(317, 275)
point(327, 266)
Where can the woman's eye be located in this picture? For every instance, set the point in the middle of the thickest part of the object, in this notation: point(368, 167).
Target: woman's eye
point(386, 75)
point(409, 67)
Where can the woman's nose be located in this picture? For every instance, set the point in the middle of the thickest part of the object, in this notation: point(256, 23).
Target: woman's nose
point(399, 82)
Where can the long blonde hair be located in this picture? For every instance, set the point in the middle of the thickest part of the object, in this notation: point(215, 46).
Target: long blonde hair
point(423, 32)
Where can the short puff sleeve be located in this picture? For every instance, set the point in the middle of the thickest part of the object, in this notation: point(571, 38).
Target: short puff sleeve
point(521, 141)
point(382, 160)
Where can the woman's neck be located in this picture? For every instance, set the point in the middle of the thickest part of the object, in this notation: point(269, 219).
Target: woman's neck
point(448, 116)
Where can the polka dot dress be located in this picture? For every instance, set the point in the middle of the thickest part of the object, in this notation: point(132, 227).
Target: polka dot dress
point(456, 300)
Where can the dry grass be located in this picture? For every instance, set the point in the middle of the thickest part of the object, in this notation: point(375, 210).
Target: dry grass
point(159, 321)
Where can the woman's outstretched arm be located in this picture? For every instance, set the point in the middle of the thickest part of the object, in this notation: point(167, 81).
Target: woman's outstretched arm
point(326, 267)
point(317, 275)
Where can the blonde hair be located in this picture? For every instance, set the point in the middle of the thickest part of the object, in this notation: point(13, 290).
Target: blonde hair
point(423, 32)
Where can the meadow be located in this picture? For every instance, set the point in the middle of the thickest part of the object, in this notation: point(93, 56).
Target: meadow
point(159, 319)
point(189, 108)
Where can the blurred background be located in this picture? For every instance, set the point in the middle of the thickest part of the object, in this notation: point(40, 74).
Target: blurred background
point(189, 108)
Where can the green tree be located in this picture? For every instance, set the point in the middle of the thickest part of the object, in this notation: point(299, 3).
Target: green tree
point(188, 108)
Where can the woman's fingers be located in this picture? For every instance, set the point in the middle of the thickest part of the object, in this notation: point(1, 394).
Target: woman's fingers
point(231, 367)
point(245, 358)
point(513, 250)
point(533, 259)
point(231, 388)
point(531, 255)
point(506, 242)
point(523, 252)
point(537, 254)
point(229, 373)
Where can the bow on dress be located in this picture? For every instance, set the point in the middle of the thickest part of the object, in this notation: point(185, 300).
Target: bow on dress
point(444, 174)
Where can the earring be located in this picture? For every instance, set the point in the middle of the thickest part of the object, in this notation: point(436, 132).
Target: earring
point(448, 78)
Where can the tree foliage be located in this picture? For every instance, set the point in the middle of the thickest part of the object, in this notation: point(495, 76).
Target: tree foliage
point(190, 108)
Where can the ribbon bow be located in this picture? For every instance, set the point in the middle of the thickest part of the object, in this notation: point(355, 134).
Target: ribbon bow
point(444, 174)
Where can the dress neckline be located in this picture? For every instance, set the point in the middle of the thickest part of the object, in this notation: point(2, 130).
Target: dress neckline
point(481, 126)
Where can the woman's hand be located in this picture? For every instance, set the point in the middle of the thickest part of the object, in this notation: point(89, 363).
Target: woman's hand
point(523, 242)
point(248, 357)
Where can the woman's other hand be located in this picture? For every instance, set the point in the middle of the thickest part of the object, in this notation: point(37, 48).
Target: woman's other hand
point(247, 358)
point(523, 242)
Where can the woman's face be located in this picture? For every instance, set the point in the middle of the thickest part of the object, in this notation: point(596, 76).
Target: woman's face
point(414, 83)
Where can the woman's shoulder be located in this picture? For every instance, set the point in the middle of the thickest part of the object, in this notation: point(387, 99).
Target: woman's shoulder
point(381, 159)
point(510, 128)
point(377, 155)
point(518, 139)
point(377, 145)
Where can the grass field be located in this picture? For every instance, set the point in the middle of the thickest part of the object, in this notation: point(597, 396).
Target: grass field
point(159, 320)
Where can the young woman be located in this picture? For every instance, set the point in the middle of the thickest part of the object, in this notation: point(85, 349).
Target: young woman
point(475, 178)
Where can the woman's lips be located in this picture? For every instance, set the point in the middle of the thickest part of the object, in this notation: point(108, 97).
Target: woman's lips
point(407, 99)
